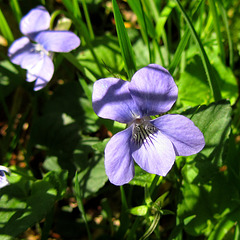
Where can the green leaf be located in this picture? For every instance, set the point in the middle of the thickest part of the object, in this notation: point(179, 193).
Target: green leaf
point(101, 145)
point(206, 190)
point(139, 210)
point(124, 42)
point(10, 206)
point(25, 211)
point(108, 54)
point(193, 86)
point(76, 63)
point(59, 180)
point(159, 203)
point(51, 163)
point(91, 176)
point(228, 85)
point(142, 178)
point(57, 130)
point(225, 225)
point(214, 122)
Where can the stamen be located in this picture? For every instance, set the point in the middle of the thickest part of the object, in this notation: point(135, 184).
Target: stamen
point(142, 131)
point(40, 49)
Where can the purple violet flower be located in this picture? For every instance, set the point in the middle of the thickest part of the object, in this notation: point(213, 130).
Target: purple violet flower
point(152, 143)
point(3, 179)
point(36, 56)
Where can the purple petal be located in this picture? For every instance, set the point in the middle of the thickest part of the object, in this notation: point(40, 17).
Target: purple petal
point(58, 41)
point(40, 83)
point(19, 50)
point(119, 164)
point(30, 77)
point(31, 59)
point(153, 89)
point(111, 99)
point(42, 69)
point(156, 155)
point(38, 19)
point(185, 136)
point(3, 179)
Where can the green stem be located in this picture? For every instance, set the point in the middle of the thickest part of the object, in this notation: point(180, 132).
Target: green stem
point(152, 227)
point(80, 205)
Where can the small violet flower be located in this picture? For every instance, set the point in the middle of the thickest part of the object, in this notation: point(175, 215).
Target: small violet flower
point(3, 179)
point(152, 143)
point(33, 51)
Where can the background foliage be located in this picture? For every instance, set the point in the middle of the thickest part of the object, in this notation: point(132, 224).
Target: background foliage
point(53, 142)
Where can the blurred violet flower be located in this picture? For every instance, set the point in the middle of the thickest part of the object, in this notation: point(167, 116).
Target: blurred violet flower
point(3, 179)
point(33, 51)
point(152, 143)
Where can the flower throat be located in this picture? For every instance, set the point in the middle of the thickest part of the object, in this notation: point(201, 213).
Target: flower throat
point(142, 130)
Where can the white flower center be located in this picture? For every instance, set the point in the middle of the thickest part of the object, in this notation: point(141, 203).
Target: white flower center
point(142, 130)
point(40, 49)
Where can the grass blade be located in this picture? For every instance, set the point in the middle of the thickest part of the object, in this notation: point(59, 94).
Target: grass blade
point(5, 29)
point(183, 43)
point(144, 22)
point(163, 17)
point(207, 66)
point(124, 42)
point(178, 54)
point(76, 9)
point(89, 24)
point(152, 7)
point(82, 29)
point(16, 10)
point(143, 19)
point(216, 24)
point(225, 21)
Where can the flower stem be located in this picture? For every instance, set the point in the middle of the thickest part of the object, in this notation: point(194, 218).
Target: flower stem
point(152, 227)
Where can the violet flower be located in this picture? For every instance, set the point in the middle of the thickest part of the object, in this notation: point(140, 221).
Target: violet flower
point(3, 179)
point(33, 51)
point(152, 143)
